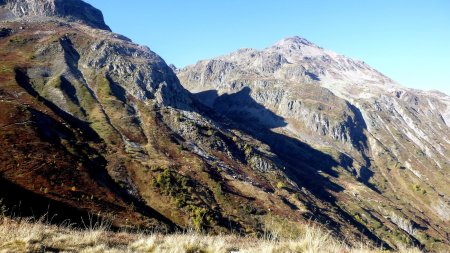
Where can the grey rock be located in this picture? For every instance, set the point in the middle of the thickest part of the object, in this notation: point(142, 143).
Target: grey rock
point(71, 10)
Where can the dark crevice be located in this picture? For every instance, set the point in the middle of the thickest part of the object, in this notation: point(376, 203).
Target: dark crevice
point(359, 138)
point(117, 90)
point(69, 90)
point(24, 203)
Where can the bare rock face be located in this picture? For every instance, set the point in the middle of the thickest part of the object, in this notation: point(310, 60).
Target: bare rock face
point(71, 10)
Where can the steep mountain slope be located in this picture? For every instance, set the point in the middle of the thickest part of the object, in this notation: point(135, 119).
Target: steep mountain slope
point(389, 145)
point(94, 126)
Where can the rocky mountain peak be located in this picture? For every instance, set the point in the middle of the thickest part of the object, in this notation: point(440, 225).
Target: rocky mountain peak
point(71, 10)
point(294, 42)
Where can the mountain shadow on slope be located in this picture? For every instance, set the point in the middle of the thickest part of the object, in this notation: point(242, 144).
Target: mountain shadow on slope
point(361, 144)
point(240, 107)
point(304, 165)
point(244, 110)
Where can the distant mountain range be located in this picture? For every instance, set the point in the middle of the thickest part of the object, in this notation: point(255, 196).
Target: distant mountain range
point(255, 142)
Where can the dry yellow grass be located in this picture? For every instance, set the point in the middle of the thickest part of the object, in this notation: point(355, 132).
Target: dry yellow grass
point(19, 235)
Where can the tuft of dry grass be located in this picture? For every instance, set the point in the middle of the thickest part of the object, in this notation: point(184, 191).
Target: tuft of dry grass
point(22, 235)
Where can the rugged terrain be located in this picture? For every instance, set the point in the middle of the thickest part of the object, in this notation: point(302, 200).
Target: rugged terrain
point(95, 124)
point(389, 145)
point(95, 127)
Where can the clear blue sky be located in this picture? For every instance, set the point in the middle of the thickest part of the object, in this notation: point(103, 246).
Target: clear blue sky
point(408, 40)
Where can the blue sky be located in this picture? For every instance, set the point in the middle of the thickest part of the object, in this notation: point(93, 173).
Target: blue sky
point(408, 40)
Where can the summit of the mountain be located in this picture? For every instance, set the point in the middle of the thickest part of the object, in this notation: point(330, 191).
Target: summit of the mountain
point(71, 10)
point(293, 42)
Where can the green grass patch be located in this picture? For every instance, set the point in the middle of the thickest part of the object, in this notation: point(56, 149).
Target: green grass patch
point(182, 190)
point(5, 69)
point(418, 188)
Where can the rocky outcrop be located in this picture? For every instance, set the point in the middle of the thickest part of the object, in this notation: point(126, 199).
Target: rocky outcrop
point(71, 10)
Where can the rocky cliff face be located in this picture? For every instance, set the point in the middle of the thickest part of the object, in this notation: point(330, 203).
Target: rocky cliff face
point(71, 10)
point(392, 139)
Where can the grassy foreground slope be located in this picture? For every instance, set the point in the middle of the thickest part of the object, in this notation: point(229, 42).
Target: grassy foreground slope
point(37, 236)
